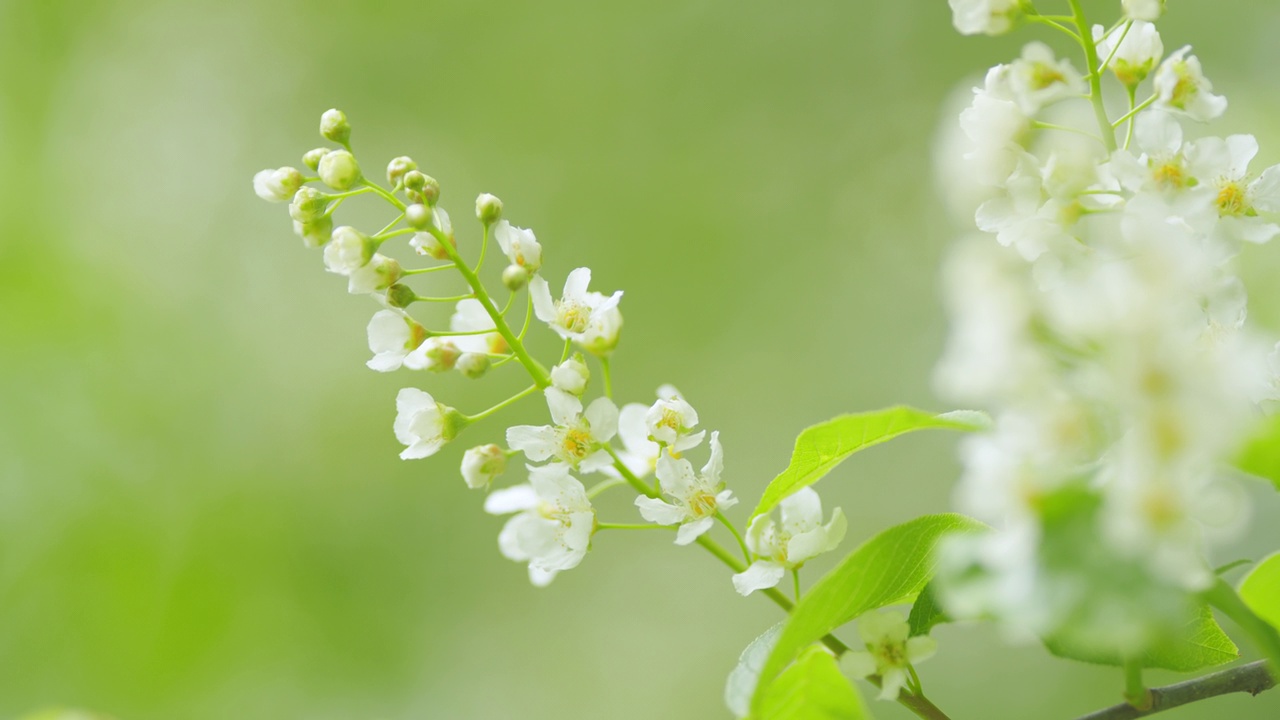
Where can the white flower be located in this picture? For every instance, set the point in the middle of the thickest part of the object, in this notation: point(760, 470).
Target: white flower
point(989, 17)
point(1022, 218)
point(392, 336)
point(571, 376)
point(577, 310)
point(1138, 52)
point(435, 354)
point(696, 498)
point(422, 424)
point(470, 316)
point(1038, 79)
point(576, 438)
point(1180, 85)
point(1148, 10)
point(889, 651)
point(425, 243)
point(380, 273)
point(481, 464)
point(1163, 163)
point(277, 185)
point(601, 336)
point(553, 527)
point(671, 421)
point(348, 251)
point(519, 245)
point(995, 126)
point(783, 546)
point(339, 170)
point(1223, 165)
point(639, 453)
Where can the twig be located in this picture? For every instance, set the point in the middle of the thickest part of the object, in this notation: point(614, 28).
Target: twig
point(1252, 678)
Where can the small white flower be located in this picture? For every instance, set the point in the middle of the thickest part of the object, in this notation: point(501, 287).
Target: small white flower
point(696, 498)
point(671, 421)
point(575, 312)
point(889, 651)
point(553, 527)
point(421, 424)
point(571, 376)
point(481, 464)
point(1163, 162)
point(470, 316)
point(392, 336)
point(987, 17)
point(380, 273)
point(519, 245)
point(995, 126)
point(800, 537)
point(1180, 85)
point(488, 208)
point(348, 251)
point(1038, 79)
point(1148, 10)
point(435, 354)
point(1223, 165)
point(639, 453)
point(576, 438)
point(424, 243)
point(1137, 54)
point(602, 332)
point(278, 185)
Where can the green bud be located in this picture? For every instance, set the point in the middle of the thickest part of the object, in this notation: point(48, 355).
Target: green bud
point(397, 168)
point(515, 277)
point(473, 365)
point(488, 208)
point(401, 296)
point(312, 158)
point(316, 233)
point(308, 205)
point(454, 421)
point(414, 181)
point(417, 216)
point(339, 170)
point(421, 188)
point(334, 126)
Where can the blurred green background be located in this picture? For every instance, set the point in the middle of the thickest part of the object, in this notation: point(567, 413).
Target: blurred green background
point(202, 514)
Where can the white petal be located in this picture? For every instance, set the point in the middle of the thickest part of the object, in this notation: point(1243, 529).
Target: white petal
point(512, 499)
point(602, 415)
point(893, 679)
point(386, 362)
point(537, 442)
point(921, 648)
point(541, 578)
point(657, 511)
point(543, 306)
point(801, 511)
point(715, 466)
point(598, 461)
point(575, 286)
point(1265, 191)
point(690, 531)
point(762, 574)
point(565, 408)
point(1242, 149)
point(422, 449)
point(859, 663)
point(676, 476)
point(688, 442)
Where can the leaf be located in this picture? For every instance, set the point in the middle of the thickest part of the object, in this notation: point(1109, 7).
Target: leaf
point(813, 688)
point(1201, 644)
point(1260, 590)
point(741, 684)
point(821, 447)
point(926, 613)
point(890, 568)
point(1261, 454)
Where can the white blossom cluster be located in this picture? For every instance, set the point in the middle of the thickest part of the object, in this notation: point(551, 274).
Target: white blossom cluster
point(552, 518)
point(1099, 319)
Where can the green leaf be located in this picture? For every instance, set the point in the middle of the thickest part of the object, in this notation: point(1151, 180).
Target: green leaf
point(1201, 644)
point(813, 688)
point(1260, 590)
point(926, 613)
point(890, 568)
point(1261, 454)
point(821, 447)
point(741, 684)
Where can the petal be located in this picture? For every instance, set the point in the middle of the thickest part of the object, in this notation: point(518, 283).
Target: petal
point(598, 461)
point(469, 316)
point(512, 499)
point(758, 534)
point(715, 466)
point(386, 362)
point(657, 511)
point(836, 529)
point(690, 531)
point(536, 442)
point(602, 415)
point(543, 306)
point(1265, 191)
point(422, 449)
point(806, 545)
point(565, 408)
point(677, 477)
point(575, 286)
point(762, 574)
point(541, 578)
point(1242, 149)
point(921, 648)
point(893, 679)
point(502, 233)
point(859, 663)
point(801, 511)
point(688, 442)
point(1157, 132)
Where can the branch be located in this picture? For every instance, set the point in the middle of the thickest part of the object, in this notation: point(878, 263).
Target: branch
point(1252, 678)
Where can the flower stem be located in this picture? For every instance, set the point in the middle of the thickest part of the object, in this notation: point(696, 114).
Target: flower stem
point(746, 554)
point(1135, 692)
point(608, 379)
point(633, 526)
point(1095, 76)
point(454, 298)
point(509, 401)
point(795, 582)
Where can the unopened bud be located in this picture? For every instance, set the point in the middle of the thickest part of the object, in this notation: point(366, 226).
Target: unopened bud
point(571, 375)
point(515, 277)
point(473, 365)
point(421, 188)
point(349, 251)
point(401, 296)
point(441, 354)
point(414, 181)
point(312, 158)
point(339, 170)
point(315, 233)
point(379, 274)
point(308, 205)
point(277, 185)
point(480, 465)
point(397, 168)
point(334, 126)
point(488, 208)
point(424, 243)
point(417, 216)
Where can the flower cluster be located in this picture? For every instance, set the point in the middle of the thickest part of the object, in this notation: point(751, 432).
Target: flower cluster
point(552, 518)
point(1099, 318)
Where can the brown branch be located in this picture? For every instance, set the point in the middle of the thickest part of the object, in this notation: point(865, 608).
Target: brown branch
point(1252, 678)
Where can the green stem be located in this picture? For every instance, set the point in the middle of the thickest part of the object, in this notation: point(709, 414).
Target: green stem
point(454, 298)
point(1048, 22)
point(1133, 99)
point(484, 248)
point(1116, 48)
point(1095, 76)
point(385, 236)
point(1252, 678)
point(1136, 109)
point(795, 582)
point(347, 194)
point(601, 487)
point(391, 224)
point(633, 526)
point(423, 271)
point(505, 403)
point(1264, 636)
point(1064, 128)
point(608, 379)
point(375, 187)
point(1135, 691)
point(742, 545)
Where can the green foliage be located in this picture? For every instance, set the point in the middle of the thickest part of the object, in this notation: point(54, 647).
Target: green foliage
point(926, 613)
point(822, 447)
point(1260, 590)
point(813, 688)
point(741, 684)
point(1261, 454)
point(890, 568)
point(1200, 644)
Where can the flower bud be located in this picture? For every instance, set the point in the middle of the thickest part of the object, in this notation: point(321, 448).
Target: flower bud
point(453, 422)
point(473, 365)
point(277, 185)
point(480, 465)
point(397, 168)
point(380, 273)
point(488, 208)
point(417, 216)
point(427, 244)
point(414, 181)
point(401, 296)
point(571, 375)
point(334, 126)
point(601, 336)
point(437, 354)
point(421, 188)
point(313, 157)
point(308, 206)
point(339, 170)
point(515, 277)
point(315, 233)
point(349, 251)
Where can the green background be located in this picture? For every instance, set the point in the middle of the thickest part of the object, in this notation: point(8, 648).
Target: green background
point(202, 514)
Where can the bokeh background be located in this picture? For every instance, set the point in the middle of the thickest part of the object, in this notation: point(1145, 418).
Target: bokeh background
point(202, 514)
